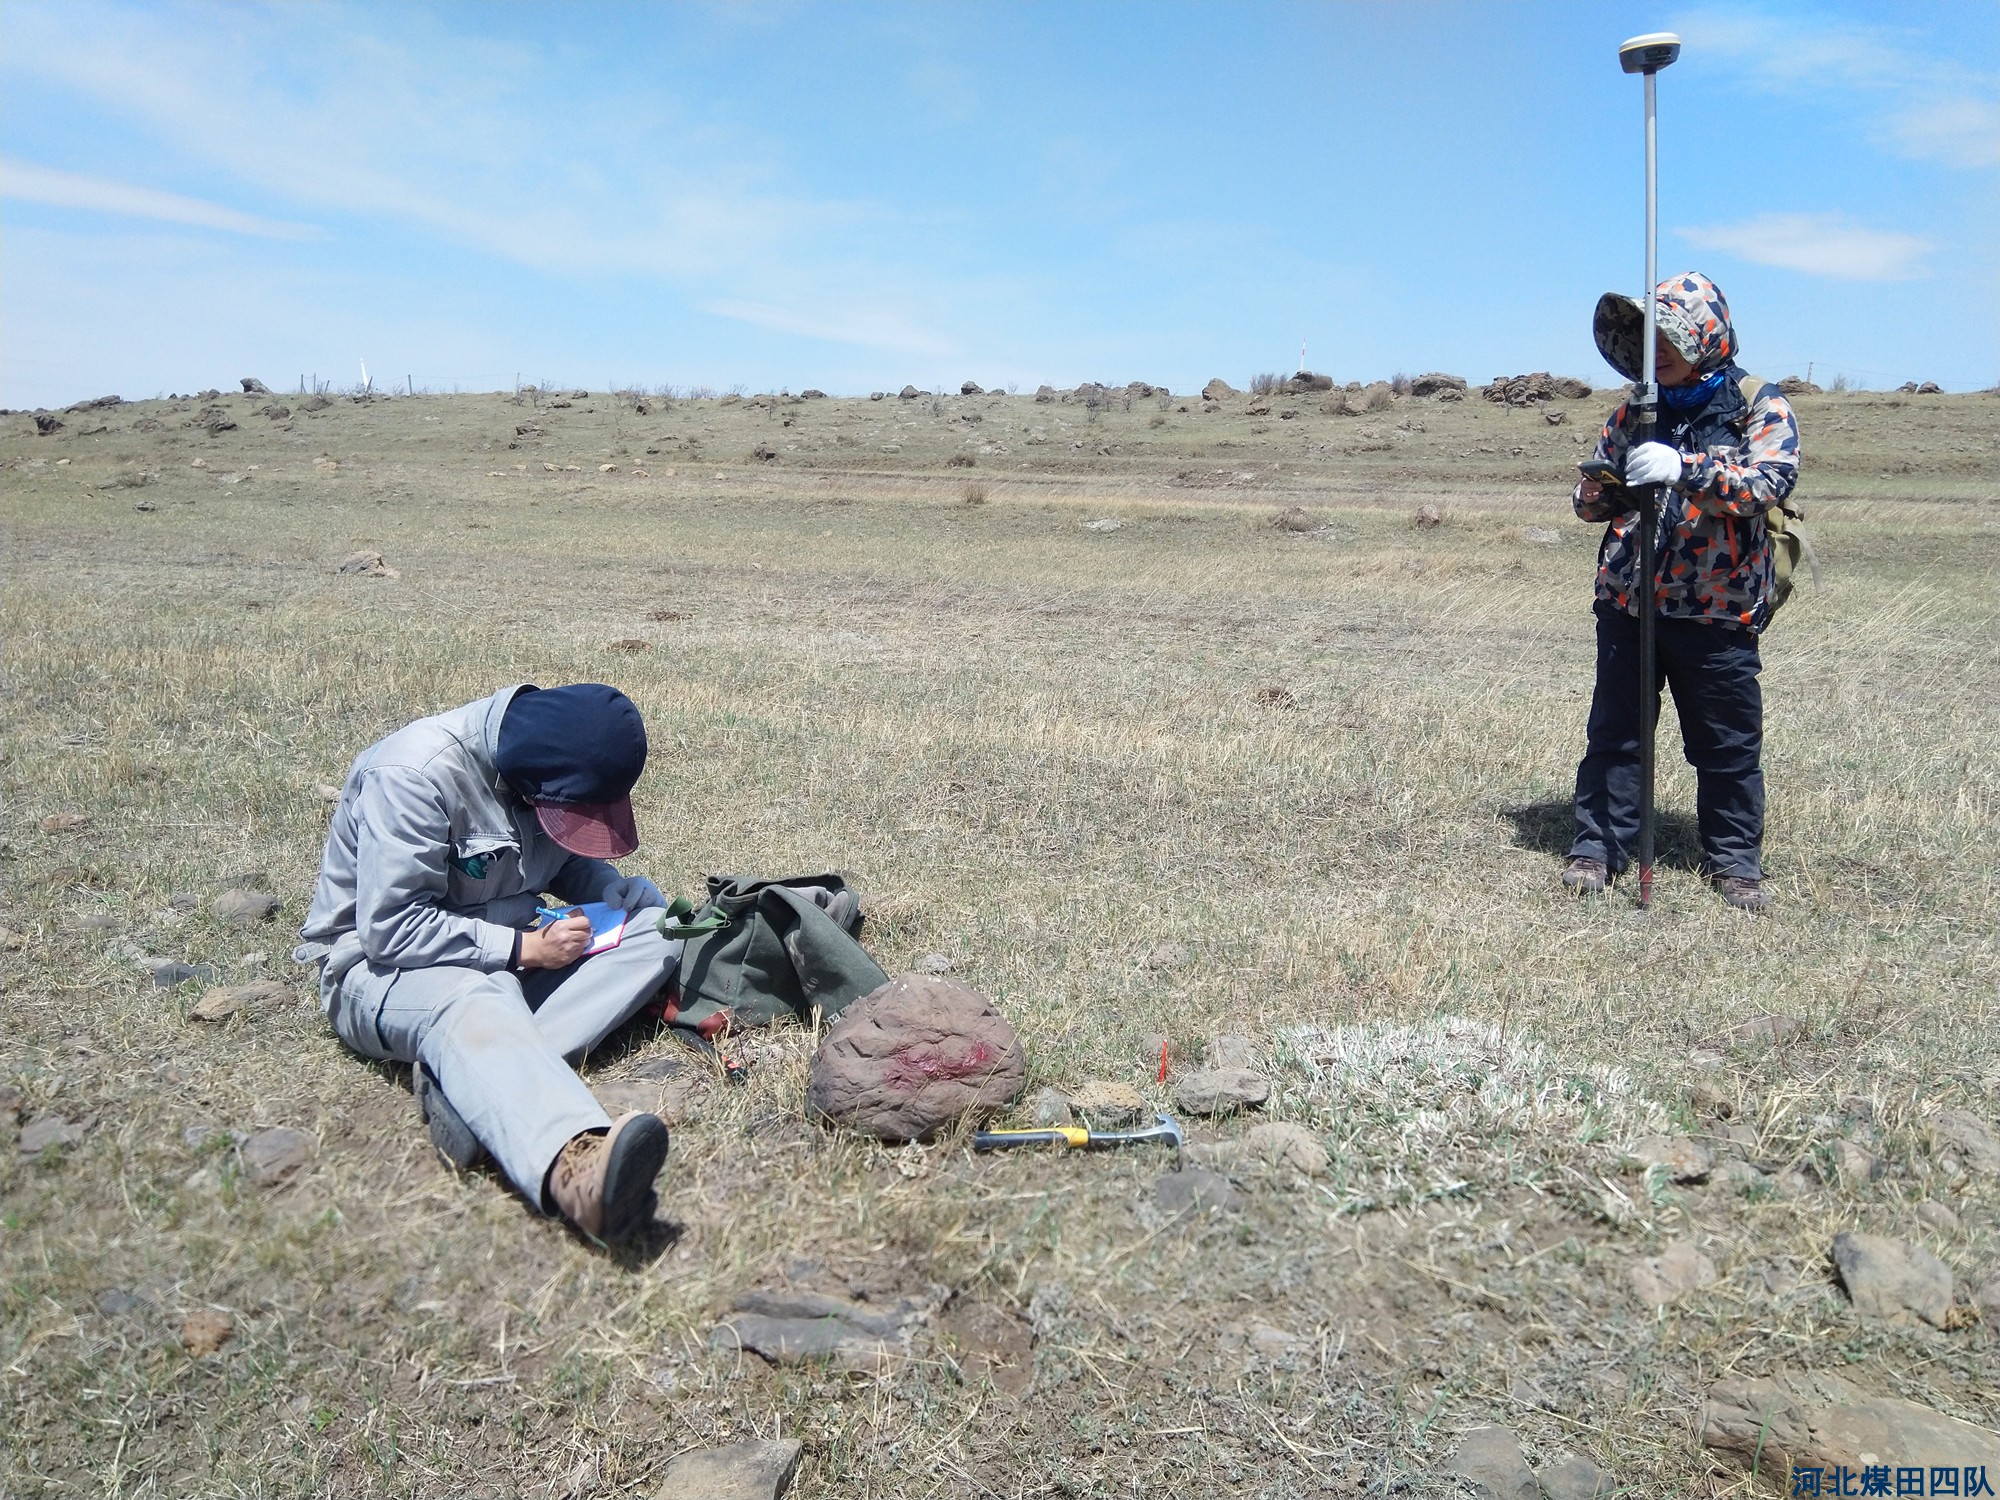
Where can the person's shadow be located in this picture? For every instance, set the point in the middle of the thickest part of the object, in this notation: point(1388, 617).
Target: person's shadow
point(1549, 827)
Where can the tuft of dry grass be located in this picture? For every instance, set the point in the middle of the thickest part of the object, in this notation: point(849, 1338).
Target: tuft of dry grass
point(1043, 751)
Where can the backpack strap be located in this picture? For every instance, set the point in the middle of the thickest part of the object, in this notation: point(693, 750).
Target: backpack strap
point(1791, 510)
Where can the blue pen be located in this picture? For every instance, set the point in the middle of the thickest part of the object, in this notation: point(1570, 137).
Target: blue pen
point(555, 914)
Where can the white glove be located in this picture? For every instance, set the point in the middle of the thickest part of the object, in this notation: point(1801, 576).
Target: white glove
point(629, 893)
point(1653, 463)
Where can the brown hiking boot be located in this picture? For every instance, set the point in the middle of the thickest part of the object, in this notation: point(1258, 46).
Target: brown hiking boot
point(1585, 875)
point(1743, 893)
point(603, 1184)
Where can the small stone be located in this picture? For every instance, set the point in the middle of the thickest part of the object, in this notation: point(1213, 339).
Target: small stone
point(365, 564)
point(1856, 1163)
point(1973, 1138)
point(1740, 1175)
point(1935, 1215)
point(1767, 1030)
point(1108, 1105)
point(934, 963)
point(64, 822)
point(1217, 1091)
point(1229, 1052)
point(1892, 1281)
point(1165, 957)
point(206, 1331)
point(1987, 1299)
point(272, 1155)
point(1662, 1280)
point(244, 907)
point(1542, 536)
point(1799, 1421)
point(1712, 1098)
point(1280, 1143)
point(1576, 1478)
point(742, 1471)
point(793, 1328)
point(167, 975)
point(621, 1096)
point(1156, 1054)
point(1194, 1188)
point(220, 1004)
point(1051, 1107)
point(1293, 518)
point(1791, 1184)
point(115, 1302)
point(1428, 518)
point(1684, 1160)
point(100, 921)
point(1106, 523)
point(45, 1131)
point(1489, 1461)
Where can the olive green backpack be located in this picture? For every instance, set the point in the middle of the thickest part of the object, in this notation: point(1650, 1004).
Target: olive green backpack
point(760, 950)
point(1785, 521)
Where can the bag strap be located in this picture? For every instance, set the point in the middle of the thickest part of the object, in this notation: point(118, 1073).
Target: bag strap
point(1750, 385)
point(681, 920)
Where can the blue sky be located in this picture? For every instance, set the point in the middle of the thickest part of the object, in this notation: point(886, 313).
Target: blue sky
point(854, 196)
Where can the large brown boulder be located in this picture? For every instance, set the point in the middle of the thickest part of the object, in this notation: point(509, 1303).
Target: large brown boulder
point(914, 1058)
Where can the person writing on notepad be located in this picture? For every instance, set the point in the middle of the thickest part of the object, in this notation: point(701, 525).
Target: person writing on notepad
point(423, 926)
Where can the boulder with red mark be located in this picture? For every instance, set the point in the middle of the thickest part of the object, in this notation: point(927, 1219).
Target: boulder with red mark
point(915, 1057)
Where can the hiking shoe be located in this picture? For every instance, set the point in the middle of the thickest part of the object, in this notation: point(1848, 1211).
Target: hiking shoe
point(603, 1184)
point(453, 1138)
point(1584, 875)
point(1744, 893)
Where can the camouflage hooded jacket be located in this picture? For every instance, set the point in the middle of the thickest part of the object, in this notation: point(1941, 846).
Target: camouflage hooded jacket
point(1713, 551)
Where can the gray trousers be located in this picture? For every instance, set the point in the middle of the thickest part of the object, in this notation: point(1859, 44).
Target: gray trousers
point(501, 1045)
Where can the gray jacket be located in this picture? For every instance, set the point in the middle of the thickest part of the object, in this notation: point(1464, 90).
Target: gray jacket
point(431, 860)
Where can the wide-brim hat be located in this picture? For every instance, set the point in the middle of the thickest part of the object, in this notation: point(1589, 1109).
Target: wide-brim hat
point(596, 830)
point(1619, 326)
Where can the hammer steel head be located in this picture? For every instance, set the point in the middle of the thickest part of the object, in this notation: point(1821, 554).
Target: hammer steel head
point(1649, 53)
point(1164, 1128)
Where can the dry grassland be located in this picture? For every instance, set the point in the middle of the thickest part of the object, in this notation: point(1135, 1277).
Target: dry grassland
point(1331, 763)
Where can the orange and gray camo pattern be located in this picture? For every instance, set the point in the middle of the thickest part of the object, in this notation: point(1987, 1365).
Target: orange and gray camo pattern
point(1714, 552)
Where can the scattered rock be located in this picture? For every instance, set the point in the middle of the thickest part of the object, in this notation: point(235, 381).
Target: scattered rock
point(270, 1156)
point(315, 403)
point(1892, 1281)
point(990, 1344)
point(1532, 390)
point(1542, 536)
point(1164, 957)
point(742, 1471)
point(1217, 1091)
point(1767, 1030)
point(1107, 523)
point(244, 907)
point(1293, 518)
point(1275, 1145)
point(621, 1095)
point(1987, 1299)
point(167, 975)
point(1428, 517)
point(1935, 1215)
point(1798, 385)
point(1194, 1188)
point(971, 388)
point(1805, 1421)
point(1555, 417)
point(764, 453)
point(1856, 1163)
point(64, 822)
point(1662, 1280)
point(1051, 1107)
point(812, 394)
point(908, 393)
point(45, 1131)
point(1576, 1478)
point(1437, 384)
point(129, 479)
point(631, 645)
point(1740, 1175)
point(1971, 1136)
point(913, 1057)
point(46, 424)
point(1109, 1105)
point(205, 1331)
point(1275, 695)
point(1229, 1051)
point(1920, 388)
point(934, 963)
point(326, 791)
point(254, 387)
point(792, 1328)
point(366, 565)
point(1489, 1461)
point(1684, 1160)
point(220, 1004)
point(1219, 389)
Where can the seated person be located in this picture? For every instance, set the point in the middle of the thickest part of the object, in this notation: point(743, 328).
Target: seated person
point(446, 835)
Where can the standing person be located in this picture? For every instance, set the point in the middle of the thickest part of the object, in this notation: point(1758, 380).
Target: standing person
point(1724, 459)
point(446, 835)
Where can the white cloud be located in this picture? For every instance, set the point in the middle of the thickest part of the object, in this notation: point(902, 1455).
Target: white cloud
point(1819, 245)
point(27, 183)
point(1927, 108)
point(873, 328)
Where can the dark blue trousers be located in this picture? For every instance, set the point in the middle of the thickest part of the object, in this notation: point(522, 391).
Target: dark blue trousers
point(1713, 670)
